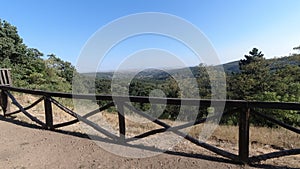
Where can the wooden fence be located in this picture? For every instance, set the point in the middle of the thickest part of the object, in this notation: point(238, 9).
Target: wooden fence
point(247, 107)
point(5, 78)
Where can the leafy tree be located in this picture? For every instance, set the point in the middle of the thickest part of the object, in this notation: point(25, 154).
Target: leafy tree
point(253, 79)
point(297, 48)
point(254, 56)
point(267, 80)
point(29, 69)
point(65, 69)
point(203, 82)
point(11, 44)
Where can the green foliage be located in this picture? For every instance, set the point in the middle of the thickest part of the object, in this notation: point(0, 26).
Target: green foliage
point(297, 48)
point(254, 56)
point(64, 69)
point(259, 79)
point(29, 70)
point(287, 116)
point(268, 80)
point(11, 45)
point(254, 79)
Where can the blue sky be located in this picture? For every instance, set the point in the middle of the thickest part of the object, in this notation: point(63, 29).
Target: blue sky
point(233, 27)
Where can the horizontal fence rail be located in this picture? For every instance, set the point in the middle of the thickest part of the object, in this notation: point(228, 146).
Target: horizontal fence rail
point(248, 108)
point(170, 101)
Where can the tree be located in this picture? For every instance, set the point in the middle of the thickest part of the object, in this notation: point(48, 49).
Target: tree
point(254, 55)
point(284, 86)
point(257, 81)
point(254, 77)
point(297, 48)
point(29, 69)
point(11, 44)
point(64, 69)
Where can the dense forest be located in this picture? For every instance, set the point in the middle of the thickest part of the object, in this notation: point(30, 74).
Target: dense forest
point(252, 78)
point(29, 69)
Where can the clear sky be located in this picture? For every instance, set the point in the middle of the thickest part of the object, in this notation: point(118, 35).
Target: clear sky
point(233, 27)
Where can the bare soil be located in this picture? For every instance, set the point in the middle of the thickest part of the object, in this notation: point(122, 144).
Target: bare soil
point(23, 147)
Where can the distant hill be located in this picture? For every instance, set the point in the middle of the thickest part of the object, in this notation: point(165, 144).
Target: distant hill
point(229, 68)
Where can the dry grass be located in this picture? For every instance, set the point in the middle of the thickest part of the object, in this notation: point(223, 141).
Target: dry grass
point(38, 111)
point(134, 124)
point(137, 125)
point(277, 137)
point(263, 140)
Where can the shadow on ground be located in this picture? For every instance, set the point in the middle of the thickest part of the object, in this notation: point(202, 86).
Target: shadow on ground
point(81, 135)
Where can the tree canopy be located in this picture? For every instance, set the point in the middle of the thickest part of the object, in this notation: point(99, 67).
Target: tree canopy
point(29, 69)
point(254, 56)
point(297, 48)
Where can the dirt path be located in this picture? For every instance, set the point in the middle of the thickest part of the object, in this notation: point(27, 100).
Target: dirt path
point(22, 147)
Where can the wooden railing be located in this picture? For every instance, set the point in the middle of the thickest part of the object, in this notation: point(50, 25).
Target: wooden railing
point(5, 78)
point(247, 107)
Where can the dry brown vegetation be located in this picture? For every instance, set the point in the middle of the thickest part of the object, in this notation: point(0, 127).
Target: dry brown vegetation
point(262, 140)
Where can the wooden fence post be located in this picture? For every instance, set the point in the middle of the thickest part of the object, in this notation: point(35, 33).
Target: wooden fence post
point(4, 103)
point(48, 113)
point(244, 136)
point(122, 128)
